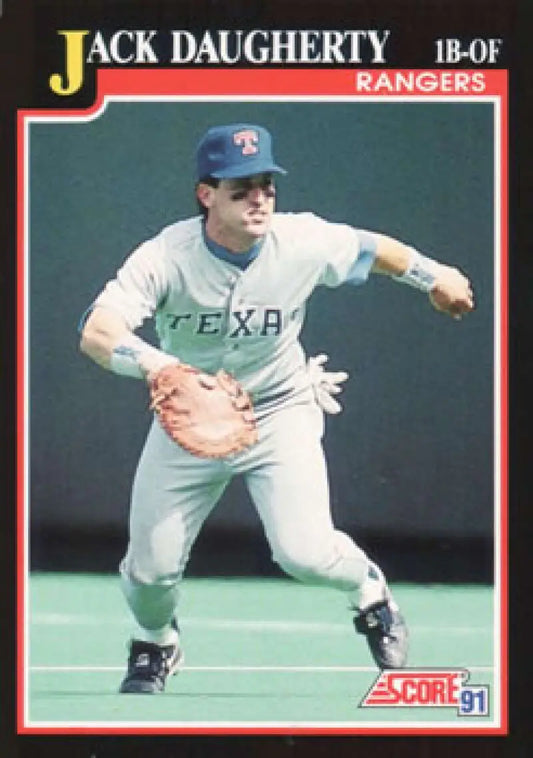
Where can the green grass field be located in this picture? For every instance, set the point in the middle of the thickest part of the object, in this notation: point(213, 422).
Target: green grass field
point(262, 653)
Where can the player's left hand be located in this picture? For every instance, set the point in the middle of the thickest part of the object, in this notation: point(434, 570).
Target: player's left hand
point(452, 292)
point(325, 383)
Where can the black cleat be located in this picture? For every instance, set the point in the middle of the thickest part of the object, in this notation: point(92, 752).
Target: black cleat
point(386, 632)
point(149, 665)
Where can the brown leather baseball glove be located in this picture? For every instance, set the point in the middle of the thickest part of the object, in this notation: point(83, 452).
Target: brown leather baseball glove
point(210, 416)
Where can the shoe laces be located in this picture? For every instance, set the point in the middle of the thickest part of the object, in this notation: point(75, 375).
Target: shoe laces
point(377, 619)
point(151, 659)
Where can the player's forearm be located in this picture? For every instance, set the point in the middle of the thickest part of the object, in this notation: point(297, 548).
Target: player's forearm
point(448, 289)
point(392, 256)
point(101, 332)
point(107, 339)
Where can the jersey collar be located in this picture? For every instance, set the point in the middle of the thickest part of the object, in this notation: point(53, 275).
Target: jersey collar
point(241, 260)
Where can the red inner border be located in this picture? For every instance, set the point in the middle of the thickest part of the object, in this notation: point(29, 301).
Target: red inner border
point(275, 83)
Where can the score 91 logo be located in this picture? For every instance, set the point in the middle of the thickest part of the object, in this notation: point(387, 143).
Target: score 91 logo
point(423, 688)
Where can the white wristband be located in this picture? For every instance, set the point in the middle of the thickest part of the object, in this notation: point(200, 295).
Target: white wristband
point(421, 272)
point(134, 357)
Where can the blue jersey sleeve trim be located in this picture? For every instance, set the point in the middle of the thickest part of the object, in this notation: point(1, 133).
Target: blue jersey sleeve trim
point(360, 270)
point(85, 315)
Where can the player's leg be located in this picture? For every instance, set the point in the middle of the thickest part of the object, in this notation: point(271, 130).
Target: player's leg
point(172, 495)
point(291, 493)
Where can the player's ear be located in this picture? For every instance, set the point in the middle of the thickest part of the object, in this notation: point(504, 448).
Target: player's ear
point(204, 193)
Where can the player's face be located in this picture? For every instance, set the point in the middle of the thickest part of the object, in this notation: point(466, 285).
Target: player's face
point(239, 210)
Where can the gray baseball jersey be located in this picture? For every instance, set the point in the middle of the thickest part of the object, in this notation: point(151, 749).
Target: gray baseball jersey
point(213, 315)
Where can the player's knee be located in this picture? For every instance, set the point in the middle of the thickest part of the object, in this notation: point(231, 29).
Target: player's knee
point(303, 566)
point(335, 560)
point(156, 573)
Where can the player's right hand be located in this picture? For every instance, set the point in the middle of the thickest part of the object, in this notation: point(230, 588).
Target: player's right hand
point(452, 292)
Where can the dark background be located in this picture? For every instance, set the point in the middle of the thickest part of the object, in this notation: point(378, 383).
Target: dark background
point(25, 29)
point(411, 456)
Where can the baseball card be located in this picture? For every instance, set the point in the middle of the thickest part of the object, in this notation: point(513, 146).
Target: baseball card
point(261, 258)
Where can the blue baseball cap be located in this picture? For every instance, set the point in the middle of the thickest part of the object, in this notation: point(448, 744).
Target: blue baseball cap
point(234, 151)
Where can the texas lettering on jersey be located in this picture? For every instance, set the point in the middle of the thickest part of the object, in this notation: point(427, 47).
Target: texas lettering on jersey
point(249, 322)
point(202, 305)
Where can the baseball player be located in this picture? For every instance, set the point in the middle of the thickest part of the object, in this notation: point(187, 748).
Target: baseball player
point(228, 290)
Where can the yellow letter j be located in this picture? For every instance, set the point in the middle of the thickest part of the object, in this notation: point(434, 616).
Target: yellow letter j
point(74, 64)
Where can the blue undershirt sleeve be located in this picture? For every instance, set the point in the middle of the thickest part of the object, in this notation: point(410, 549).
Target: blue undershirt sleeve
point(360, 270)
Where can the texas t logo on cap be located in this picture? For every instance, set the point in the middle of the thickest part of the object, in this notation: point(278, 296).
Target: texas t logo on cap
point(248, 138)
point(234, 151)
